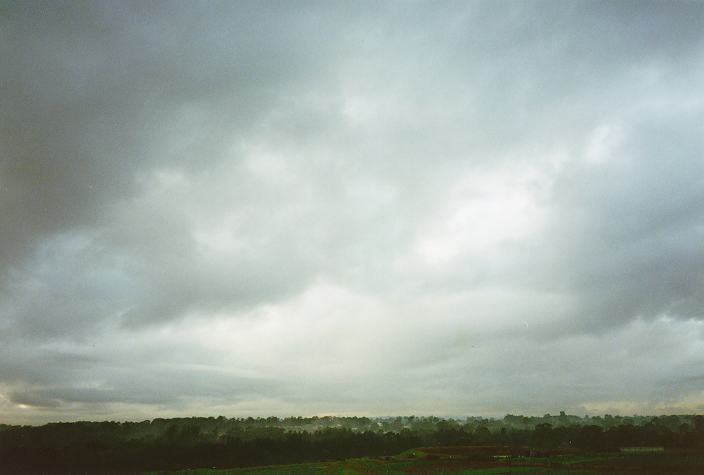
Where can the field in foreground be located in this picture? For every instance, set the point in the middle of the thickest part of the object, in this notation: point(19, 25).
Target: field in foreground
point(486, 460)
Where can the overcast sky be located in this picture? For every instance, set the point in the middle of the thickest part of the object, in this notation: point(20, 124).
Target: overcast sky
point(298, 208)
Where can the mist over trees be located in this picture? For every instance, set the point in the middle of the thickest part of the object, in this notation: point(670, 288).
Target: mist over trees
point(181, 443)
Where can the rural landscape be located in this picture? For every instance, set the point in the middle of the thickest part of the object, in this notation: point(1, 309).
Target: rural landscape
point(342, 237)
point(326, 445)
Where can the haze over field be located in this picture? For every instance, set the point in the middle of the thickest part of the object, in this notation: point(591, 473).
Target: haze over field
point(361, 208)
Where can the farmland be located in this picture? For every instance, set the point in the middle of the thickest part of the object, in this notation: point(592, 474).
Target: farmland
point(484, 460)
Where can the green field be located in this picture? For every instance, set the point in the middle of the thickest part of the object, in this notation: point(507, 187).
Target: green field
point(451, 460)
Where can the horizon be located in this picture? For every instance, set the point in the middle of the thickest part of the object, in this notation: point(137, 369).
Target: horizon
point(267, 208)
point(280, 419)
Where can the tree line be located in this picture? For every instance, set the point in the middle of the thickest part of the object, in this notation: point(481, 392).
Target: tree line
point(182, 443)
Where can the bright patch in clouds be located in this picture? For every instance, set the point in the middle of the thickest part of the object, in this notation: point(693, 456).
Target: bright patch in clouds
point(483, 213)
point(603, 144)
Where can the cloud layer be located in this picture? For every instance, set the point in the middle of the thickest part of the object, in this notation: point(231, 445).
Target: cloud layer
point(266, 208)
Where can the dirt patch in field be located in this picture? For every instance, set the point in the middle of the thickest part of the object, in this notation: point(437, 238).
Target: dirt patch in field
point(476, 450)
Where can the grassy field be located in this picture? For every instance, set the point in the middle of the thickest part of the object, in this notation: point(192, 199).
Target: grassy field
point(478, 460)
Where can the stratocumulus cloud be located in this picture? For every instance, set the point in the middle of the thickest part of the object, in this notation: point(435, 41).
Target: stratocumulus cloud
point(264, 208)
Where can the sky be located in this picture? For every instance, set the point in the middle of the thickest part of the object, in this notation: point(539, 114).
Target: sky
point(354, 208)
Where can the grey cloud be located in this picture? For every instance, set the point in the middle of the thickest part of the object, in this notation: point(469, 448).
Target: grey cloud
point(159, 388)
point(93, 93)
point(92, 107)
point(635, 225)
point(29, 399)
point(23, 365)
point(485, 180)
